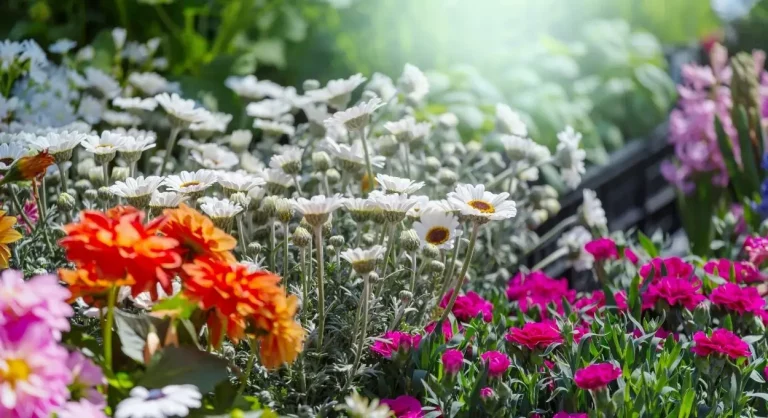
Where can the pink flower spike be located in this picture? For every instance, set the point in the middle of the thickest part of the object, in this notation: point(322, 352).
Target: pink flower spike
point(404, 406)
point(497, 363)
point(602, 249)
point(452, 360)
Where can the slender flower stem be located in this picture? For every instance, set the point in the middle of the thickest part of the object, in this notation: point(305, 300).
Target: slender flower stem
point(272, 254)
point(112, 298)
point(41, 223)
point(368, 166)
point(18, 207)
point(407, 149)
point(169, 149)
point(320, 286)
point(304, 285)
point(64, 177)
point(361, 342)
point(463, 273)
point(243, 234)
point(413, 271)
point(298, 186)
point(132, 172)
point(448, 273)
point(553, 232)
point(285, 250)
point(248, 368)
point(326, 186)
point(43, 199)
point(390, 245)
point(541, 265)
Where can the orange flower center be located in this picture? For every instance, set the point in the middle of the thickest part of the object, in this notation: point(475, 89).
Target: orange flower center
point(438, 235)
point(482, 206)
point(15, 370)
point(190, 183)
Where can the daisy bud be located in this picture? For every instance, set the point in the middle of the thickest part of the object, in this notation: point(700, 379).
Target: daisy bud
point(83, 185)
point(84, 167)
point(409, 239)
point(448, 148)
point(240, 140)
point(321, 161)
point(333, 176)
point(301, 237)
point(474, 146)
point(405, 297)
point(91, 195)
point(453, 161)
point(430, 251)
point(241, 199)
point(337, 241)
point(120, 173)
point(552, 206)
point(368, 239)
point(537, 217)
point(104, 194)
point(284, 210)
point(330, 248)
point(447, 121)
point(310, 84)
point(368, 95)
point(447, 177)
point(432, 165)
point(268, 206)
point(436, 267)
point(66, 202)
point(304, 224)
point(374, 277)
point(328, 226)
point(254, 248)
point(388, 146)
point(96, 176)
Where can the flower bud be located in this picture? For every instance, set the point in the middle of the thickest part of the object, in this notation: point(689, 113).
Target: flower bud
point(91, 195)
point(337, 241)
point(447, 177)
point(333, 176)
point(368, 239)
point(66, 202)
point(254, 248)
point(405, 297)
point(436, 267)
point(284, 210)
point(104, 194)
point(241, 199)
point(310, 84)
point(374, 277)
point(83, 185)
point(240, 140)
point(85, 166)
point(328, 226)
point(452, 162)
point(410, 241)
point(330, 248)
point(301, 237)
point(552, 206)
point(120, 173)
point(432, 165)
point(268, 206)
point(96, 176)
point(701, 315)
point(388, 146)
point(321, 161)
point(430, 251)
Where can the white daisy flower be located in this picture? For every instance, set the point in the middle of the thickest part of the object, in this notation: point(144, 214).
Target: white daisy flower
point(150, 83)
point(402, 128)
point(288, 160)
point(274, 128)
point(10, 152)
point(356, 117)
point(103, 82)
point(509, 122)
point(57, 142)
point(240, 139)
point(392, 184)
point(144, 300)
point(516, 147)
point(278, 178)
point(219, 208)
point(165, 200)
point(170, 401)
point(109, 142)
point(90, 109)
point(252, 164)
point(249, 87)
point(394, 206)
point(238, 182)
point(141, 136)
point(181, 109)
point(337, 92)
point(437, 228)
point(570, 157)
point(118, 36)
point(256, 194)
point(592, 210)
point(413, 83)
point(135, 103)
point(481, 205)
point(190, 182)
point(214, 157)
point(214, 122)
point(120, 118)
point(353, 155)
point(422, 203)
point(317, 209)
point(316, 113)
point(268, 109)
point(359, 207)
point(62, 46)
point(382, 85)
point(574, 241)
point(363, 261)
point(136, 187)
point(293, 98)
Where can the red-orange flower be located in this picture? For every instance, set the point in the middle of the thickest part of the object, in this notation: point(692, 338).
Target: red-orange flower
point(243, 302)
point(85, 283)
point(28, 168)
point(118, 246)
point(197, 234)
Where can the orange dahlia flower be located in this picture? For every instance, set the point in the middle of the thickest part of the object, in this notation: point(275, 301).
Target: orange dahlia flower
point(8, 235)
point(85, 283)
point(119, 246)
point(197, 234)
point(28, 168)
point(243, 302)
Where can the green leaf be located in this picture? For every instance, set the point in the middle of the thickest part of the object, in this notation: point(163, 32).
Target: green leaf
point(181, 307)
point(647, 245)
point(748, 160)
point(724, 142)
point(686, 405)
point(185, 365)
point(133, 331)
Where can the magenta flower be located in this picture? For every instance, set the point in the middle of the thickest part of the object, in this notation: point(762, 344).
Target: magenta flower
point(487, 392)
point(86, 377)
point(404, 406)
point(452, 360)
point(674, 291)
point(497, 363)
point(591, 304)
point(744, 272)
point(394, 341)
point(81, 409)
point(563, 414)
point(596, 376)
point(757, 249)
point(674, 266)
point(41, 298)
point(469, 306)
point(30, 209)
point(536, 289)
point(721, 342)
point(535, 335)
point(447, 329)
point(738, 299)
point(33, 373)
point(631, 256)
point(621, 300)
point(602, 249)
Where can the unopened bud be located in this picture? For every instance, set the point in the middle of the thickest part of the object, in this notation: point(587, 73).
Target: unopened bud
point(85, 166)
point(436, 267)
point(104, 193)
point(241, 199)
point(328, 226)
point(310, 84)
point(405, 297)
point(368, 239)
point(66, 202)
point(432, 165)
point(120, 173)
point(254, 248)
point(388, 146)
point(337, 241)
point(431, 252)
point(321, 161)
point(447, 177)
point(91, 195)
point(410, 241)
point(82, 185)
point(701, 315)
point(333, 176)
point(552, 206)
point(301, 237)
point(96, 176)
point(284, 210)
point(268, 206)
point(374, 277)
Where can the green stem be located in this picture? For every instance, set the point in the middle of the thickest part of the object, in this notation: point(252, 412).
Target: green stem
point(19, 208)
point(567, 222)
point(105, 171)
point(304, 285)
point(243, 235)
point(43, 200)
point(123, 12)
point(248, 369)
point(169, 149)
point(407, 149)
point(448, 273)
point(64, 189)
point(463, 273)
point(541, 265)
point(272, 254)
point(320, 286)
point(112, 298)
point(413, 271)
point(390, 245)
point(285, 251)
point(368, 166)
point(298, 186)
point(361, 342)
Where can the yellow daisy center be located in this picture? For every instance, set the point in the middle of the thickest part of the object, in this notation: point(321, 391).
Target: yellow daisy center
point(482, 206)
point(190, 183)
point(15, 370)
point(437, 235)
